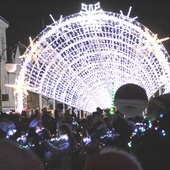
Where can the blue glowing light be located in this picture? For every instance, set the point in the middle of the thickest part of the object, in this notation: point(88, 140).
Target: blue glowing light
point(161, 115)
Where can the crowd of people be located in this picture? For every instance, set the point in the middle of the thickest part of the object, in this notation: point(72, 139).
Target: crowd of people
point(98, 141)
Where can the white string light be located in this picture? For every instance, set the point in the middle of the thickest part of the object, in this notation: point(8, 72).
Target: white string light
point(79, 58)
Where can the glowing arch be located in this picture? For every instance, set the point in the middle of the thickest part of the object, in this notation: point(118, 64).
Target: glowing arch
point(77, 59)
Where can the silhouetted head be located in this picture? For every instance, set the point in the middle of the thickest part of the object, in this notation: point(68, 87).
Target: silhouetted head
point(112, 159)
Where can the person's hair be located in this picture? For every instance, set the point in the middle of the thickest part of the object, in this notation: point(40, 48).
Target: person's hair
point(112, 159)
point(13, 157)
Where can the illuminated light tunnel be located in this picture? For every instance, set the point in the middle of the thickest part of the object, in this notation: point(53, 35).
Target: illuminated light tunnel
point(79, 58)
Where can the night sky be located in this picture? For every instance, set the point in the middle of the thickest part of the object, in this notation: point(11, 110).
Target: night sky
point(28, 17)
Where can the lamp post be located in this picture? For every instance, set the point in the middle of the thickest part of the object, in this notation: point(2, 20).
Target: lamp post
point(10, 67)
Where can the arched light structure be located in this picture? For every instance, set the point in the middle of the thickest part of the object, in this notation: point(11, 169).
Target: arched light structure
point(79, 58)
